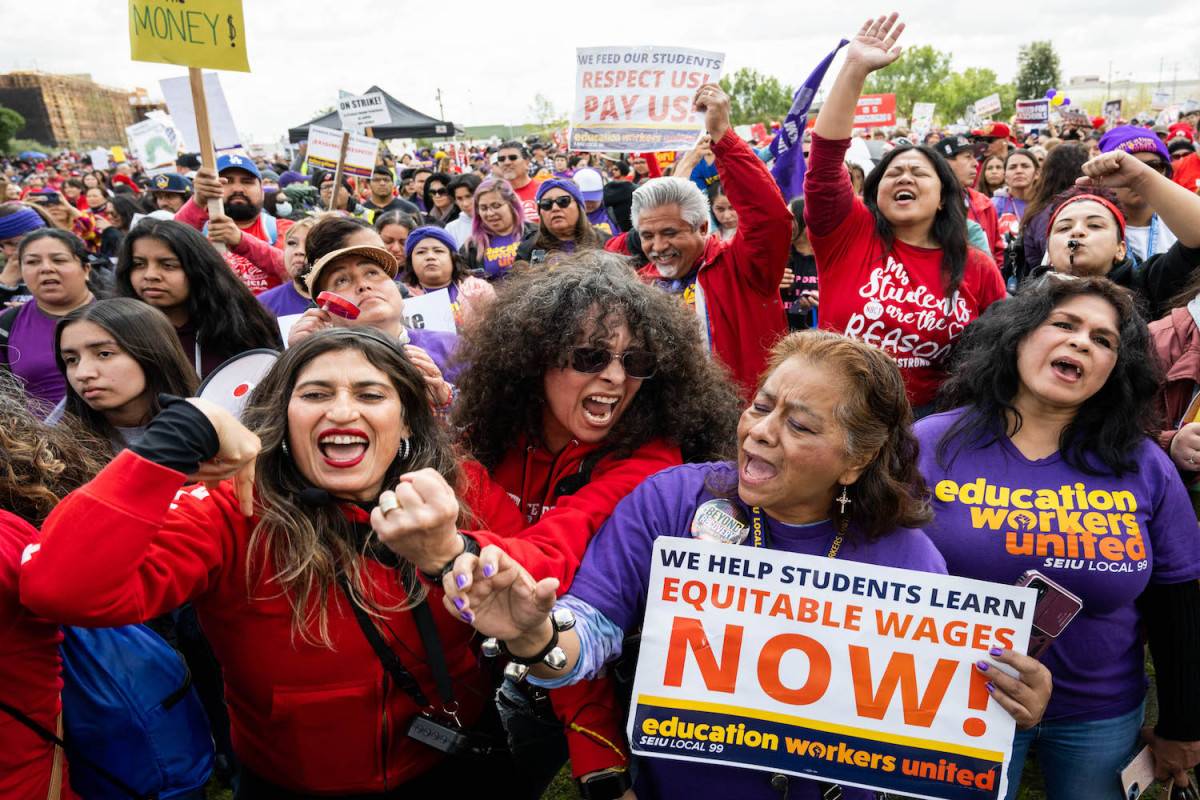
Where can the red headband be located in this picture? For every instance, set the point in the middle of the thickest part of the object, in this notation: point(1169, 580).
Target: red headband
point(1115, 212)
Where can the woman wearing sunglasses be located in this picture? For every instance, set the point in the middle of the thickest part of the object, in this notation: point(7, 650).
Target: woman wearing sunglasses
point(602, 381)
point(1145, 232)
point(564, 225)
point(439, 202)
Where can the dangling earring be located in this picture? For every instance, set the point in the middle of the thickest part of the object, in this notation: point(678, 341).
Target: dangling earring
point(405, 449)
point(844, 499)
point(285, 449)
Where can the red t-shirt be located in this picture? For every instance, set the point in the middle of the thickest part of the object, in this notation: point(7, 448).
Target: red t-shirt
point(528, 193)
point(256, 280)
point(895, 301)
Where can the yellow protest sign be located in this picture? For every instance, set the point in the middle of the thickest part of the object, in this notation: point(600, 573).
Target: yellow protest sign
point(195, 33)
point(118, 153)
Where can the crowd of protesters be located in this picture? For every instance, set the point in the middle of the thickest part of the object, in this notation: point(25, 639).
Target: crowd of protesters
point(633, 337)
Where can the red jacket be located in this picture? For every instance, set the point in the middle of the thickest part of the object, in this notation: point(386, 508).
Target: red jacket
point(980, 209)
point(30, 676)
point(561, 525)
point(740, 277)
point(1177, 343)
point(306, 717)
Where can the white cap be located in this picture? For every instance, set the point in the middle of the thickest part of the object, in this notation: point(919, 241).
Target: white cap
point(590, 182)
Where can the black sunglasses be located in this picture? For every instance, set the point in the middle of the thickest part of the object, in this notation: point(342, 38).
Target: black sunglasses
point(545, 204)
point(636, 363)
point(1158, 165)
point(512, 157)
point(439, 192)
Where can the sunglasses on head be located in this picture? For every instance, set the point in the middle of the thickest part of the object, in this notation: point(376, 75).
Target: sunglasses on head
point(545, 204)
point(510, 157)
point(636, 363)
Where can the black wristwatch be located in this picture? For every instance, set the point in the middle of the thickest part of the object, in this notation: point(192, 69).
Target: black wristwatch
point(470, 545)
point(605, 786)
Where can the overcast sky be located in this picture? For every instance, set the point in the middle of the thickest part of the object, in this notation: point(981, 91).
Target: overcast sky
point(490, 59)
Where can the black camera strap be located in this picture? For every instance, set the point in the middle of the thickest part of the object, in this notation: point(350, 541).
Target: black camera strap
point(427, 628)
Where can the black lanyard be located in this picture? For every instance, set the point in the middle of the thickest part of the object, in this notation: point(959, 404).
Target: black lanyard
point(427, 628)
point(762, 534)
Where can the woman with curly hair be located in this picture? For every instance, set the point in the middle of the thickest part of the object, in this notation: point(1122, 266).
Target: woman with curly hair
point(38, 466)
point(826, 466)
point(1044, 464)
point(603, 381)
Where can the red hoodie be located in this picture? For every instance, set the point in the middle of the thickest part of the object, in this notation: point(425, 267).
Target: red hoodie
point(30, 676)
point(740, 277)
point(563, 519)
point(305, 717)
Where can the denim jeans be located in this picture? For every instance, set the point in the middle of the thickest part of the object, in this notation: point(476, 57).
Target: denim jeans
point(1079, 760)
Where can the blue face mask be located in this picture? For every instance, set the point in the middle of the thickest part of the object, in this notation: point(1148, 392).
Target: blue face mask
point(283, 209)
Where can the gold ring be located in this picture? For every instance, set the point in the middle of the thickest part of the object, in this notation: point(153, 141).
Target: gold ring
point(388, 503)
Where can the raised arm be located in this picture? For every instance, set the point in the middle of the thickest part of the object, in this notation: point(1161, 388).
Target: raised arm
point(871, 49)
point(1178, 208)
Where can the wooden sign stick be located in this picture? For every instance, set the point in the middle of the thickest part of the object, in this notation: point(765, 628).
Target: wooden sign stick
point(208, 155)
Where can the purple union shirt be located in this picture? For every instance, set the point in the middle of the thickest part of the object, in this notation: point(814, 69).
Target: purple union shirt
point(1105, 538)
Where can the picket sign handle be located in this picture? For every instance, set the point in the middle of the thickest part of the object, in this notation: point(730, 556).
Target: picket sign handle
point(208, 155)
point(337, 175)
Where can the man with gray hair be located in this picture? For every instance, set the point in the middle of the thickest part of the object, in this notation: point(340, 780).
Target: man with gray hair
point(732, 285)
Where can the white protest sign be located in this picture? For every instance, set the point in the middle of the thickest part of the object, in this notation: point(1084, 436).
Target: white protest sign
point(325, 145)
point(988, 105)
point(430, 311)
point(151, 144)
point(99, 158)
point(357, 111)
point(1033, 113)
point(1160, 101)
point(178, 94)
point(922, 117)
point(639, 99)
point(851, 673)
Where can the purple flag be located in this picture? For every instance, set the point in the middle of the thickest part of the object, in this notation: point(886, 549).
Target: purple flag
point(785, 147)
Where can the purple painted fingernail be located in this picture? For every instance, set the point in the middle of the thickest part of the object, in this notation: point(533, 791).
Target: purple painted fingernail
point(460, 604)
point(460, 581)
point(469, 617)
point(989, 685)
point(996, 651)
point(982, 665)
point(488, 570)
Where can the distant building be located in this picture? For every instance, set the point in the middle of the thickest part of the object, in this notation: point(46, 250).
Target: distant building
point(72, 111)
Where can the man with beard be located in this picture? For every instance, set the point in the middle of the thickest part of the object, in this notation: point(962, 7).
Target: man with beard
point(733, 285)
point(512, 164)
point(253, 238)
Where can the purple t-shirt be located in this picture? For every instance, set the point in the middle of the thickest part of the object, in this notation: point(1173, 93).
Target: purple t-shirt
point(500, 253)
point(1104, 538)
point(602, 222)
point(31, 354)
point(615, 575)
point(284, 300)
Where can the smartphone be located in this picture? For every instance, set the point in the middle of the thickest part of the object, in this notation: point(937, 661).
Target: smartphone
point(1055, 608)
point(1137, 774)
